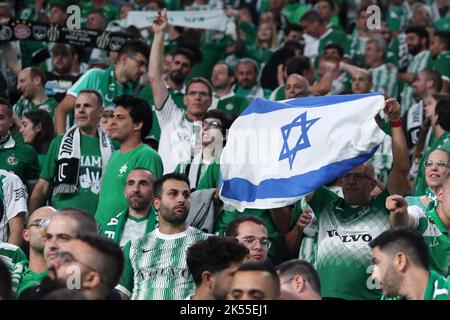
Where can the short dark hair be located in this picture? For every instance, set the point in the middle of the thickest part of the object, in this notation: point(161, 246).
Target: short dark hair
point(5, 281)
point(266, 266)
point(213, 254)
point(312, 16)
point(295, 267)
point(443, 113)
point(444, 37)
point(169, 176)
point(404, 239)
point(96, 94)
point(435, 77)
point(85, 222)
point(188, 53)
point(5, 102)
point(330, 3)
point(298, 65)
point(134, 46)
point(111, 256)
point(421, 32)
point(46, 134)
point(140, 111)
point(37, 72)
point(233, 226)
point(293, 27)
point(200, 80)
point(336, 46)
point(219, 114)
point(230, 71)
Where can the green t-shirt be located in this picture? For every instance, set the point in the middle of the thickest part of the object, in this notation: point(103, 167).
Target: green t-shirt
point(384, 79)
point(109, 11)
point(112, 198)
point(233, 105)
point(24, 105)
point(90, 175)
point(257, 53)
point(11, 254)
point(442, 143)
point(252, 93)
point(443, 24)
point(344, 258)
point(21, 159)
point(155, 266)
point(436, 236)
point(278, 93)
point(29, 279)
point(441, 64)
point(103, 81)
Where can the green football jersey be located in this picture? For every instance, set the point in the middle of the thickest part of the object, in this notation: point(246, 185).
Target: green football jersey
point(384, 79)
point(112, 198)
point(437, 288)
point(11, 253)
point(156, 268)
point(344, 258)
point(20, 159)
point(436, 235)
point(29, 278)
point(24, 105)
point(90, 175)
point(441, 64)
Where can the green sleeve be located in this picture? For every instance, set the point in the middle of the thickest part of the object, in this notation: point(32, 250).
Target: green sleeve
point(33, 168)
point(321, 199)
point(442, 66)
point(147, 95)
point(380, 201)
point(211, 177)
point(127, 279)
point(152, 161)
point(90, 80)
point(19, 256)
point(53, 104)
point(48, 169)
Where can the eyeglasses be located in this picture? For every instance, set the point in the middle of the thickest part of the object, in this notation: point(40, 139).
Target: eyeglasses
point(288, 280)
point(356, 176)
point(40, 223)
point(141, 63)
point(211, 125)
point(202, 94)
point(251, 241)
point(439, 164)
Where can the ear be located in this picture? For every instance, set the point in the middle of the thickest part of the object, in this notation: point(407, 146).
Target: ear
point(91, 280)
point(138, 126)
point(208, 279)
point(38, 127)
point(26, 235)
point(400, 262)
point(185, 98)
point(156, 203)
point(299, 283)
point(439, 193)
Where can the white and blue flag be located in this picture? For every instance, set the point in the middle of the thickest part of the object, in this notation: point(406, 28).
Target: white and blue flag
point(277, 152)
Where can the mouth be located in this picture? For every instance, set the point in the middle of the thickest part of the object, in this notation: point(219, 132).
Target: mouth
point(180, 208)
point(256, 256)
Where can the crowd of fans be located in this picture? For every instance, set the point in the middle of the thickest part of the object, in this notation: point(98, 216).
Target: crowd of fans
point(110, 161)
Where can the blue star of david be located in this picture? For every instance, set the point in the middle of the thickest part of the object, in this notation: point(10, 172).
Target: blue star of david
point(303, 140)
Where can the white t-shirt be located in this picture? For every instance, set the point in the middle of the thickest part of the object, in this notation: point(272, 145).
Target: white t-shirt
point(178, 138)
point(14, 200)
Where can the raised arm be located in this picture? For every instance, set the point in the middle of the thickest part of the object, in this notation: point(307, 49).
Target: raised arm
point(62, 110)
point(397, 181)
point(156, 60)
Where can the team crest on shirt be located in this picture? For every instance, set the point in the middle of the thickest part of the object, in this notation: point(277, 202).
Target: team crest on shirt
point(123, 169)
point(229, 107)
point(12, 160)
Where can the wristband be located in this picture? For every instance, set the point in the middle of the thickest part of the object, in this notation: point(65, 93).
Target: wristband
point(396, 123)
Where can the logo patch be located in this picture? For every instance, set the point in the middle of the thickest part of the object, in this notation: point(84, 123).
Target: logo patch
point(12, 160)
point(103, 40)
point(22, 31)
point(53, 33)
point(39, 32)
point(5, 33)
point(116, 43)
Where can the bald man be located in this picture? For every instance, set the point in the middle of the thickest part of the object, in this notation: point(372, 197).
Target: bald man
point(35, 269)
point(296, 86)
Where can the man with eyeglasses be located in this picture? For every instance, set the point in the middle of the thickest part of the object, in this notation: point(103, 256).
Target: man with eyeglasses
point(251, 232)
point(63, 226)
point(346, 225)
point(115, 81)
point(30, 273)
point(180, 130)
point(433, 224)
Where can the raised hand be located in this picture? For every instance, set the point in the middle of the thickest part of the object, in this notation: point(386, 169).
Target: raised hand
point(160, 22)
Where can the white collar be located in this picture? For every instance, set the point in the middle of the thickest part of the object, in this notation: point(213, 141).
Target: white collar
point(10, 143)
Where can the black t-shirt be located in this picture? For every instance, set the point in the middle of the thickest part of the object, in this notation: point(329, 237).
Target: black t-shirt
point(57, 86)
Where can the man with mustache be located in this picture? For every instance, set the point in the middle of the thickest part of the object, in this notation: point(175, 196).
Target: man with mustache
point(155, 264)
point(140, 216)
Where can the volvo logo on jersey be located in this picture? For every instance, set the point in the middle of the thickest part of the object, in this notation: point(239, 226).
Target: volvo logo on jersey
point(354, 237)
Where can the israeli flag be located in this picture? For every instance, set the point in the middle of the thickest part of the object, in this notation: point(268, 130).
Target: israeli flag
point(277, 152)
